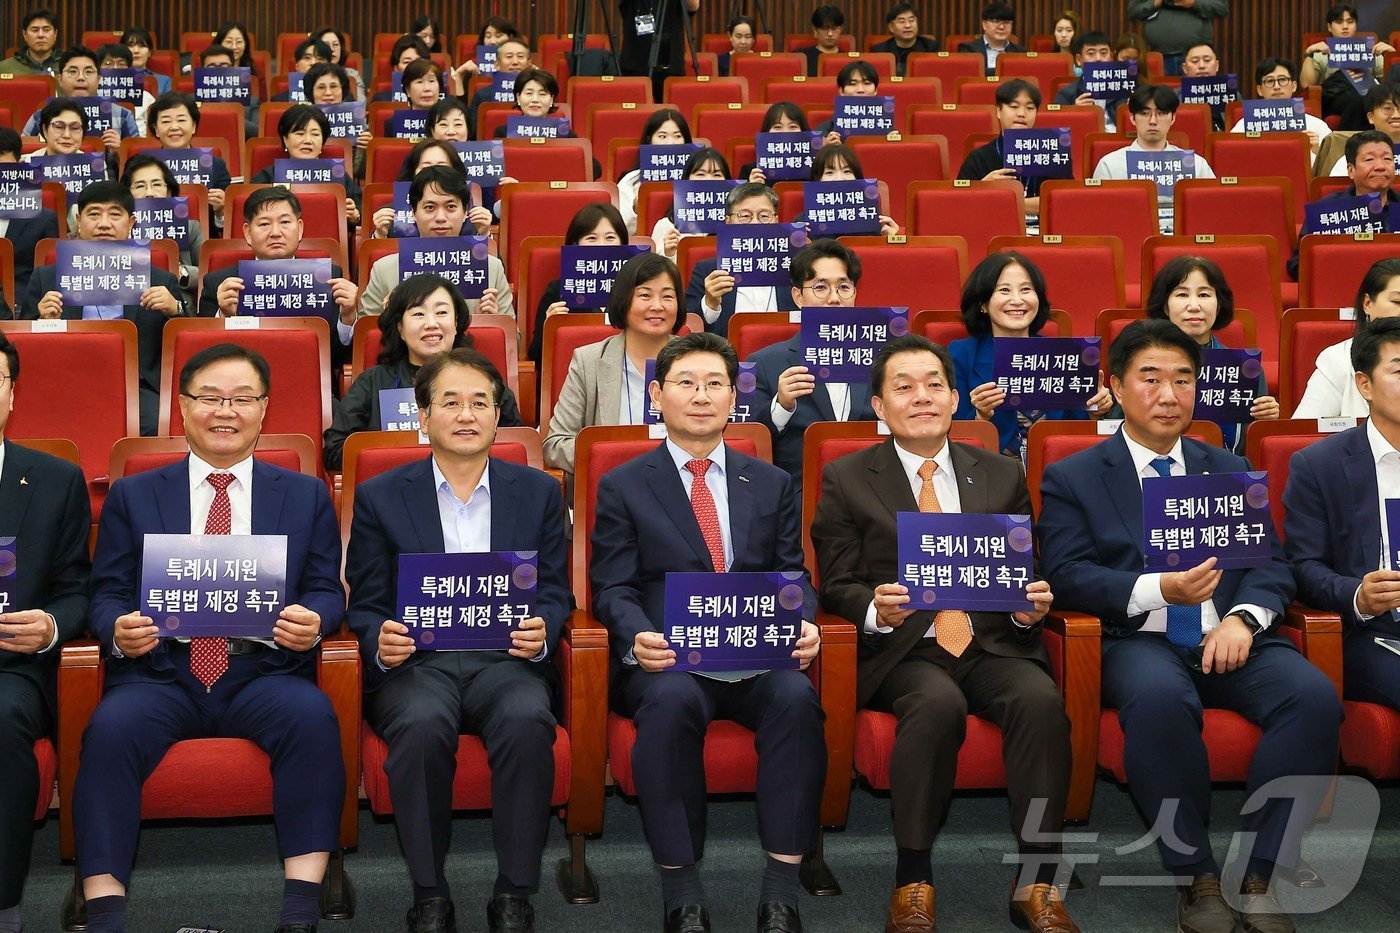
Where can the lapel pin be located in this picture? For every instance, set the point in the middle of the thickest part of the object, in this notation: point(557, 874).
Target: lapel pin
point(969, 480)
point(24, 481)
point(743, 479)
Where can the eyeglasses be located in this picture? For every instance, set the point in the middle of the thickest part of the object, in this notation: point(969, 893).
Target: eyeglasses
point(66, 127)
point(453, 406)
point(749, 217)
point(713, 387)
point(1283, 81)
point(3, 377)
point(79, 72)
point(822, 290)
point(215, 402)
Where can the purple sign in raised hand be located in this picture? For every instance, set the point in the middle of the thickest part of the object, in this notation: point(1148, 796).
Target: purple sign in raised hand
point(1110, 80)
point(486, 59)
point(162, 219)
point(102, 272)
point(459, 259)
point(1046, 373)
point(1164, 168)
point(698, 206)
point(123, 85)
point(296, 90)
point(285, 288)
point(1215, 92)
point(522, 126)
point(1187, 519)
point(842, 208)
point(74, 170)
point(21, 194)
point(224, 85)
point(1392, 532)
point(1274, 116)
point(503, 87)
point(1352, 53)
point(758, 255)
point(466, 602)
point(347, 120)
point(398, 410)
point(404, 223)
point(223, 586)
point(863, 116)
point(733, 621)
point(786, 156)
point(587, 273)
point(972, 561)
point(1038, 153)
point(1363, 214)
point(408, 124)
point(485, 162)
point(309, 172)
point(1227, 384)
point(839, 344)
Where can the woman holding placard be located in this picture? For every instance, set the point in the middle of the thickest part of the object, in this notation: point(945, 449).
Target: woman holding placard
point(666, 127)
point(593, 225)
point(304, 130)
point(145, 176)
point(707, 164)
point(840, 163)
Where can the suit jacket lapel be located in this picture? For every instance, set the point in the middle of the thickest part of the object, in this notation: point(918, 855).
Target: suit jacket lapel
point(971, 479)
point(504, 502)
point(174, 508)
point(665, 483)
point(891, 483)
point(741, 504)
point(613, 363)
point(1359, 468)
point(268, 492)
point(420, 504)
point(1122, 485)
point(14, 495)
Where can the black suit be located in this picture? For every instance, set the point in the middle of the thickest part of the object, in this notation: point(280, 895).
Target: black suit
point(44, 507)
point(979, 45)
point(1003, 676)
point(24, 236)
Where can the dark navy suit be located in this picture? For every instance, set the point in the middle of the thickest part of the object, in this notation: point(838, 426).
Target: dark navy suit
point(645, 527)
point(44, 508)
point(423, 705)
point(153, 701)
point(1090, 533)
point(695, 298)
point(1332, 525)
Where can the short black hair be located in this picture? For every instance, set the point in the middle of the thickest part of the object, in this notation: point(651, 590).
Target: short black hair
point(908, 343)
point(447, 105)
point(588, 217)
point(322, 50)
point(826, 16)
point(217, 354)
point(998, 10)
point(659, 119)
point(859, 67)
point(107, 192)
point(1175, 271)
point(703, 156)
point(1268, 65)
point(1357, 140)
point(785, 108)
point(171, 100)
point(1204, 42)
point(1366, 345)
point(11, 353)
point(62, 105)
point(449, 181)
point(832, 152)
point(428, 22)
point(298, 116)
point(699, 342)
point(266, 196)
point(1383, 93)
point(140, 160)
point(1146, 334)
point(804, 261)
point(742, 20)
point(1008, 91)
point(410, 293)
point(982, 283)
point(420, 68)
point(33, 15)
point(541, 77)
point(138, 35)
point(426, 381)
point(899, 9)
point(1092, 37)
point(318, 71)
point(1337, 10)
point(1372, 284)
point(409, 169)
point(114, 50)
point(10, 143)
point(217, 51)
point(639, 269)
point(500, 24)
point(1162, 97)
point(402, 44)
point(746, 190)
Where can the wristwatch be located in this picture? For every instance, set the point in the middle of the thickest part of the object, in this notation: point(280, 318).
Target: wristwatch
point(1251, 621)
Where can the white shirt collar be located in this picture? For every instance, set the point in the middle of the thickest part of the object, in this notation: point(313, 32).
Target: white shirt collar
point(1142, 457)
point(912, 461)
point(441, 484)
point(242, 471)
point(1379, 445)
point(1137, 146)
point(681, 458)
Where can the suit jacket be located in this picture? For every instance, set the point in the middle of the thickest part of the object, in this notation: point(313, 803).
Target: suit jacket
point(979, 45)
point(1332, 525)
point(25, 235)
point(855, 536)
point(44, 507)
point(1090, 535)
point(591, 394)
point(695, 298)
point(150, 324)
point(158, 502)
point(397, 513)
point(644, 528)
point(787, 445)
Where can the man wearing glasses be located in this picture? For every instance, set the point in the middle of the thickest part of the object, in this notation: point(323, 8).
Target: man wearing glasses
point(711, 292)
point(787, 398)
point(77, 78)
point(997, 20)
point(1277, 79)
point(160, 691)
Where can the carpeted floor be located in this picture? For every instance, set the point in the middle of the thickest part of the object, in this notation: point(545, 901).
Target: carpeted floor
point(225, 875)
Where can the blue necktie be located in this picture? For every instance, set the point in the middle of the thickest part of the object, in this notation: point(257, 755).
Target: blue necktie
point(1183, 622)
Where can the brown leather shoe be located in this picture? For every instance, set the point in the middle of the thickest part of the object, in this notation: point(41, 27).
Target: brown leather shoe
point(1039, 907)
point(912, 909)
point(1260, 911)
point(1201, 907)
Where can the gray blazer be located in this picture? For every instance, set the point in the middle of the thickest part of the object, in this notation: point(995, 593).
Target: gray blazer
point(591, 394)
point(384, 276)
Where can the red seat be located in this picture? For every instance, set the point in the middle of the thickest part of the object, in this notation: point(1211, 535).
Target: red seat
point(563, 334)
point(751, 331)
point(1331, 267)
point(717, 43)
point(977, 211)
point(225, 121)
point(608, 121)
point(685, 93)
point(899, 162)
point(582, 92)
point(980, 90)
point(1303, 334)
point(1043, 67)
point(27, 93)
point(1083, 274)
point(829, 64)
point(264, 151)
point(947, 67)
point(1241, 207)
point(1241, 332)
point(755, 66)
point(492, 334)
point(295, 452)
point(1266, 155)
point(941, 262)
point(544, 209)
point(943, 327)
point(909, 93)
point(720, 122)
point(1193, 124)
point(546, 160)
point(802, 91)
point(955, 124)
point(1128, 208)
point(1099, 144)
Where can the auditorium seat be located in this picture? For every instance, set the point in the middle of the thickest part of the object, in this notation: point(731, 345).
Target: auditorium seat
point(27, 93)
point(548, 160)
point(975, 210)
point(581, 92)
point(755, 66)
point(543, 209)
point(322, 209)
point(1265, 155)
point(947, 67)
point(1087, 208)
point(955, 124)
point(943, 327)
point(1240, 333)
point(263, 152)
point(1082, 122)
point(1083, 274)
point(685, 93)
point(751, 331)
point(803, 91)
point(1331, 267)
point(492, 334)
point(829, 64)
point(603, 122)
point(1303, 334)
point(886, 279)
point(901, 162)
point(721, 122)
point(1043, 67)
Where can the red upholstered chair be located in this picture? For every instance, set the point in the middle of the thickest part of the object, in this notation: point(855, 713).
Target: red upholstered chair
point(717, 43)
point(947, 67)
point(941, 262)
point(685, 93)
point(547, 160)
point(977, 211)
point(1083, 274)
point(955, 123)
point(1234, 206)
point(1071, 640)
point(755, 66)
point(796, 41)
point(1329, 267)
point(263, 152)
point(751, 331)
point(803, 91)
point(295, 452)
point(726, 121)
point(1263, 155)
point(943, 327)
point(544, 209)
point(583, 92)
point(829, 64)
point(28, 93)
point(1303, 334)
point(1045, 67)
point(898, 162)
point(111, 377)
point(1087, 208)
point(606, 121)
point(563, 334)
point(384, 158)
point(1241, 332)
point(1099, 144)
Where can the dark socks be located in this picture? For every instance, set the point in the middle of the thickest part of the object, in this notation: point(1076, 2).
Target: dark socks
point(9, 920)
point(505, 886)
point(107, 914)
point(301, 902)
point(442, 889)
point(681, 886)
point(913, 866)
point(779, 882)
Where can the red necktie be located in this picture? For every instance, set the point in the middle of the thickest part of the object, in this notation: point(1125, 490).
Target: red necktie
point(706, 514)
point(209, 656)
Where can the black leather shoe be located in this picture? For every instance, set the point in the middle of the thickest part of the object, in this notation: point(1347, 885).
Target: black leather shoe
point(510, 913)
point(778, 918)
point(434, 915)
point(688, 918)
point(297, 928)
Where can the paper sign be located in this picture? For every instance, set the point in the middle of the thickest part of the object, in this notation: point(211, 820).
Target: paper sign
point(347, 120)
point(309, 171)
point(408, 124)
point(839, 344)
point(404, 224)
point(1274, 116)
point(520, 126)
point(224, 85)
point(466, 602)
point(189, 166)
point(664, 163)
point(485, 162)
point(652, 414)
point(102, 272)
point(758, 254)
point(1187, 519)
point(99, 113)
point(230, 586)
point(733, 621)
point(123, 85)
point(698, 206)
point(1392, 529)
point(285, 288)
point(1364, 214)
point(1165, 168)
point(1038, 153)
point(503, 87)
point(1227, 384)
point(970, 561)
point(863, 116)
point(1355, 53)
point(162, 219)
point(842, 208)
point(1215, 92)
point(1046, 373)
point(786, 156)
point(459, 259)
point(586, 273)
point(1110, 80)
point(8, 577)
point(745, 387)
point(74, 170)
point(398, 410)
point(486, 59)
point(21, 195)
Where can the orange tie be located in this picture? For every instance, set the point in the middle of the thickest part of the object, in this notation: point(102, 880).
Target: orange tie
point(951, 627)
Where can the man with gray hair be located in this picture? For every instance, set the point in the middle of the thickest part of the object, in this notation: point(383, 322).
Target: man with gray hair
point(712, 293)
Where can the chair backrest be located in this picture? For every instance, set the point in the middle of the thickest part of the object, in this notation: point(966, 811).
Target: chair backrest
point(885, 278)
point(263, 152)
point(829, 64)
point(582, 92)
point(606, 121)
point(1083, 274)
point(725, 121)
point(1043, 66)
point(752, 331)
point(955, 124)
point(977, 211)
point(28, 93)
point(563, 334)
point(1087, 208)
point(1263, 155)
point(803, 91)
point(225, 121)
point(796, 41)
point(981, 89)
point(1324, 185)
point(1235, 206)
point(654, 200)
point(224, 253)
point(1192, 123)
point(1270, 446)
point(322, 209)
point(384, 158)
point(295, 452)
point(538, 265)
point(544, 209)
point(899, 162)
point(947, 67)
point(755, 66)
point(546, 160)
point(943, 327)
point(717, 43)
point(1240, 333)
point(1331, 267)
point(1303, 334)
point(685, 93)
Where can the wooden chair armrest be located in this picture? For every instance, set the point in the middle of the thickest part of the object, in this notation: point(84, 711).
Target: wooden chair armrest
point(583, 660)
point(529, 393)
point(338, 674)
point(346, 377)
point(1080, 687)
point(833, 673)
point(79, 691)
point(1319, 636)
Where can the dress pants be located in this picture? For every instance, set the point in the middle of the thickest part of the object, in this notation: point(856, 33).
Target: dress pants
point(673, 709)
point(286, 715)
point(420, 712)
point(931, 694)
point(24, 719)
point(1160, 695)
point(1370, 673)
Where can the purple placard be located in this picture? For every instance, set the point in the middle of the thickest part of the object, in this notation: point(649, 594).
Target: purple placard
point(1046, 373)
point(408, 124)
point(664, 163)
point(189, 166)
point(486, 59)
point(1187, 519)
point(398, 410)
point(842, 208)
point(459, 259)
point(586, 273)
point(863, 116)
point(1045, 153)
point(1110, 80)
point(698, 206)
point(652, 414)
point(224, 85)
point(347, 120)
point(734, 621)
point(485, 161)
point(972, 561)
point(124, 85)
point(404, 224)
point(296, 87)
point(786, 156)
point(224, 586)
point(1165, 168)
point(839, 344)
point(466, 602)
point(1227, 384)
point(1354, 53)
point(1363, 214)
point(1392, 526)
point(8, 577)
point(309, 171)
point(285, 288)
point(1274, 116)
point(519, 126)
point(503, 87)
point(758, 254)
point(162, 219)
point(1215, 92)
point(102, 272)
point(21, 195)
point(75, 170)
point(396, 91)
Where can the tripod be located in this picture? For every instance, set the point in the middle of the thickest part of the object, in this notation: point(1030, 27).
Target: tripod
point(658, 36)
point(580, 30)
point(759, 12)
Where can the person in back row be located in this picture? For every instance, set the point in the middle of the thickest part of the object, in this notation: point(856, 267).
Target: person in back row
point(1332, 391)
point(1017, 103)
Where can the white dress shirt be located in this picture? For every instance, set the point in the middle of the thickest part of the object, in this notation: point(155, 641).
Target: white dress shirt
point(466, 526)
point(1387, 487)
point(1115, 166)
point(838, 392)
point(240, 495)
point(746, 298)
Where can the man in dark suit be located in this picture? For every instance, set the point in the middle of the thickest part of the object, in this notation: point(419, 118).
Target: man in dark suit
point(787, 398)
point(105, 212)
point(695, 505)
point(711, 292)
point(998, 18)
point(459, 499)
point(1336, 535)
point(23, 233)
point(902, 20)
point(1370, 158)
point(160, 691)
point(929, 669)
point(44, 517)
point(1176, 642)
